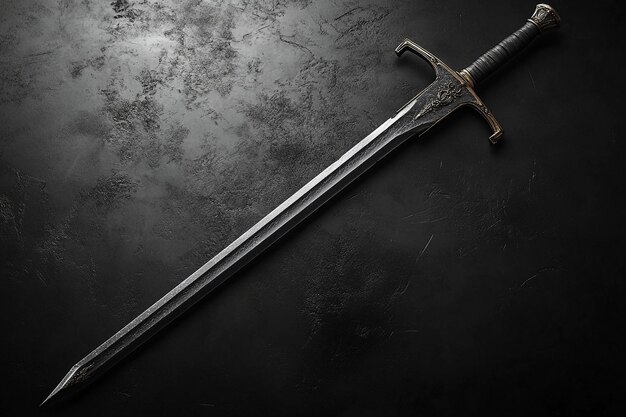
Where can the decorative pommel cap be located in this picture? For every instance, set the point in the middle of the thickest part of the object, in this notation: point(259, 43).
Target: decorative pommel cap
point(545, 17)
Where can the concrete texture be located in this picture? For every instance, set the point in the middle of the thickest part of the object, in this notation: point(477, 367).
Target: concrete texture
point(138, 138)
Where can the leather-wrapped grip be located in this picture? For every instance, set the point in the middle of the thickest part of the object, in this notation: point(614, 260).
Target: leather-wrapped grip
point(544, 17)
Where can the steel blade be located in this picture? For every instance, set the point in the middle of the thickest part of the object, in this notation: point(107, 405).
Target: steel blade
point(259, 237)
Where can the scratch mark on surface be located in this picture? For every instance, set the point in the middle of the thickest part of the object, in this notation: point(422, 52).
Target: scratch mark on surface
point(539, 272)
point(349, 12)
point(524, 283)
point(532, 80)
point(36, 54)
point(438, 219)
point(406, 287)
point(41, 278)
point(418, 213)
point(437, 192)
point(245, 35)
point(361, 23)
point(424, 249)
point(490, 227)
point(296, 44)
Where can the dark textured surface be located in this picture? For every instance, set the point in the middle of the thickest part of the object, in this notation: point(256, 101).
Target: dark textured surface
point(139, 138)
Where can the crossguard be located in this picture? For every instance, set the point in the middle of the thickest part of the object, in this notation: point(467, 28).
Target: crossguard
point(544, 18)
point(444, 71)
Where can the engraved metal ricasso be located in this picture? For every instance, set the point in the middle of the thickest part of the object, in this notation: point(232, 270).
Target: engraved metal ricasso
point(545, 17)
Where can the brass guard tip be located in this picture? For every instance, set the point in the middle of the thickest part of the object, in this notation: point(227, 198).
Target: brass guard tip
point(495, 137)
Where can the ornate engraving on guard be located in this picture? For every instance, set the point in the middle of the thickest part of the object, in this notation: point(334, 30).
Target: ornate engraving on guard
point(445, 96)
point(449, 88)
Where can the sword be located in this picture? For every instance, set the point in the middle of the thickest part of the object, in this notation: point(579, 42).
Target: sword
point(450, 91)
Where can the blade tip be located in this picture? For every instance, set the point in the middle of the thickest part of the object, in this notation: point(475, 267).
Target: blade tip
point(61, 387)
point(50, 397)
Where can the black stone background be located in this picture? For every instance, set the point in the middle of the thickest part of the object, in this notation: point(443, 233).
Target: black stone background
point(139, 138)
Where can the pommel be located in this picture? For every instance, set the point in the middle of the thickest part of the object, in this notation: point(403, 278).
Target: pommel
point(545, 17)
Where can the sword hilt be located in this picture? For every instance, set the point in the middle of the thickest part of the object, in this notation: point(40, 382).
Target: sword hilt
point(544, 18)
point(453, 89)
